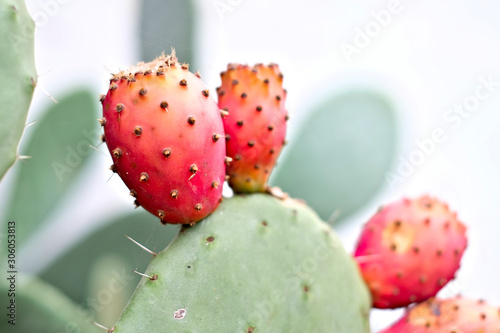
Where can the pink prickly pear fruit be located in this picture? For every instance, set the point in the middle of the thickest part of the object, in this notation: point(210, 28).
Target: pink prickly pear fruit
point(166, 137)
point(409, 250)
point(256, 124)
point(455, 315)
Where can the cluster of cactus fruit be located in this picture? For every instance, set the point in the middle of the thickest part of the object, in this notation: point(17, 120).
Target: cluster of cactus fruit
point(259, 261)
point(168, 137)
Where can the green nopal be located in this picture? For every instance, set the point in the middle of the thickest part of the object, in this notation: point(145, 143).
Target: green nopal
point(257, 264)
point(17, 77)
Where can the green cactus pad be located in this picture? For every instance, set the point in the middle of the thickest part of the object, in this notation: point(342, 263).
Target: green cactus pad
point(17, 76)
point(338, 161)
point(40, 307)
point(257, 264)
point(59, 149)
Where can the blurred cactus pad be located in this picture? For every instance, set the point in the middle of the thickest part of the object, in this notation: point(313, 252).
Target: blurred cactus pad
point(41, 307)
point(17, 76)
point(257, 264)
point(59, 148)
point(343, 149)
point(160, 22)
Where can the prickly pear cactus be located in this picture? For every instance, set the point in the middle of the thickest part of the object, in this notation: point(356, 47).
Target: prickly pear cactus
point(257, 264)
point(17, 76)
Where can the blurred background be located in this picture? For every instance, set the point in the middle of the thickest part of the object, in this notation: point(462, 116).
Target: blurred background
point(387, 99)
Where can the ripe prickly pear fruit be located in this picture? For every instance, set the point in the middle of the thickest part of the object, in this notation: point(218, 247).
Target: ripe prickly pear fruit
point(449, 316)
point(256, 124)
point(409, 250)
point(257, 264)
point(166, 138)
